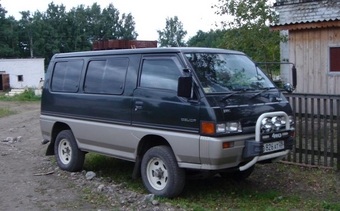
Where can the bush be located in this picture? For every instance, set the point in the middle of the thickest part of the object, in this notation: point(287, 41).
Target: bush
point(27, 95)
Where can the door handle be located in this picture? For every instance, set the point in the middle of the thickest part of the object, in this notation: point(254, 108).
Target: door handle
point(138, 105)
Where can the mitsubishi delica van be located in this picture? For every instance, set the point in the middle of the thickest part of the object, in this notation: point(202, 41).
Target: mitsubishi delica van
point(174, 112)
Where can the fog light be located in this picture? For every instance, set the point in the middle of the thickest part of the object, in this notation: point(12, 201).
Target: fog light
point(226, 145)
point(266, 124)
point(276, 121)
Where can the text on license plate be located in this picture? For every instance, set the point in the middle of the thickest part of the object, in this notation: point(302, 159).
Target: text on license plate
point(273, 146)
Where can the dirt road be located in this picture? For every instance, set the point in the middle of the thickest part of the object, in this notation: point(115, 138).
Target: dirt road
point(31, 181)
point(23, 183)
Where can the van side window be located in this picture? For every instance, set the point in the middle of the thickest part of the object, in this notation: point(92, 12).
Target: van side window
point(66, 76)
point(161, 73)
point(106, 76)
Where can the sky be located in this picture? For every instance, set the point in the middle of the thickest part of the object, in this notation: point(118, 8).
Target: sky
point(149, 15)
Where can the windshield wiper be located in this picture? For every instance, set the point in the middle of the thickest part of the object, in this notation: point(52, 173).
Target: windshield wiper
point(233, 93)
point(263, 90)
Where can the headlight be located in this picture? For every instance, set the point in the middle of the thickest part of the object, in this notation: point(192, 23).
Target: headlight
point(228, 127)
point(220, 128)
point(232, 127)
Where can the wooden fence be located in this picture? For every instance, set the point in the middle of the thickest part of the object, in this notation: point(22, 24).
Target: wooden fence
point(317, 126)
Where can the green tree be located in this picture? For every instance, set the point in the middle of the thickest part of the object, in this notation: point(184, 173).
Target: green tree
point(27, 34)
point(42, 34)
point(173, 34)
point(77, 37)
point(127, 31)
point(55, 31)
point(212, 39)
point(249, 31)
point(8, 35)
point(112, 25)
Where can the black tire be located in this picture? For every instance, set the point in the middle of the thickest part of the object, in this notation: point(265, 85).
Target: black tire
point(67, 153)
point(160, 173)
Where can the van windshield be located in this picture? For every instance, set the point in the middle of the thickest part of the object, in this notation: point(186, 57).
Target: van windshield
point(227, 72)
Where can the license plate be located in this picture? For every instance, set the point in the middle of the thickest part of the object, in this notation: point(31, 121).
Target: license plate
point(273, 146)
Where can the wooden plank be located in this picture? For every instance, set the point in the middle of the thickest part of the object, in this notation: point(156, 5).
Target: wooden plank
point(305, 60)
point(317, 61)
point(311, 56)
point(325, 133)
point(323, 61)
point(297, 45)
point(299, 131)
point(312, 131)
point(330, 77)
point(331, 132)
point(319, 130)
point(292, 50)
point(307, 126)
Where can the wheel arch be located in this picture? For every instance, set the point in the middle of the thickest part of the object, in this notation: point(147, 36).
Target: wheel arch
point(144, 145)
point(57, 127)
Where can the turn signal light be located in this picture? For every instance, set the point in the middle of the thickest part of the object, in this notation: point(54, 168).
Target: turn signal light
point(208, 128)
point(226, 145)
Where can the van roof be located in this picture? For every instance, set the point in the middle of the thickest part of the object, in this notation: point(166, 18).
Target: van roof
point(146, 50)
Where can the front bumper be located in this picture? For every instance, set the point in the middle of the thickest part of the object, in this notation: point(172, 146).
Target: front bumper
point(246, 149)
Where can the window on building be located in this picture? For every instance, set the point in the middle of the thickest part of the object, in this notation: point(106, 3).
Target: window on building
point(20, 78)
point(334, 61)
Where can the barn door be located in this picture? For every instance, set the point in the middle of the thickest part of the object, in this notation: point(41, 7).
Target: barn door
point(5, 82)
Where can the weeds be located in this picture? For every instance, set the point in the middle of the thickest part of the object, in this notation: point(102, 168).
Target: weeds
point(271, 187)
point(27, 95)
point(6, 112)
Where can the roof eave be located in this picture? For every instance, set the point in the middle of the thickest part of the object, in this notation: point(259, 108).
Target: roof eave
point(306, 25)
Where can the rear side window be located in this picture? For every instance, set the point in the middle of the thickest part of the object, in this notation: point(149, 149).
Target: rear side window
point(106, 76)
point(66, 76)
point(160, 73)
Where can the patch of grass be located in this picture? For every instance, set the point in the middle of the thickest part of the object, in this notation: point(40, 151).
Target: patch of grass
point(330, 206)
point(93, 197)
point(27, 95)
point(266, 190)
point(6, 112)
point(119, 171)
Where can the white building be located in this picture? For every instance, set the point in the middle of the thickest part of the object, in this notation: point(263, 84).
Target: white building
point(21, 73)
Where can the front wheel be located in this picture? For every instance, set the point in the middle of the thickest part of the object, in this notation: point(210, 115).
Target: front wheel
point(160, 172)
point(69, 157)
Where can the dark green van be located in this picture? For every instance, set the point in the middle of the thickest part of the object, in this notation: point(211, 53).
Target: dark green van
point(170, 110)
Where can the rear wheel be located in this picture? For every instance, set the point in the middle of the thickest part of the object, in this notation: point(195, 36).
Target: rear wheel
point(68, 156)
point(160, 172)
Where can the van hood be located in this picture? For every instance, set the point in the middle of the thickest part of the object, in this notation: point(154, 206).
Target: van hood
point(247, 107)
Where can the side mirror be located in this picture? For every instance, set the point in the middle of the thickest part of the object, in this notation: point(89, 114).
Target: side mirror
point(294, 76)
point(184, 86)
point(288, 87)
